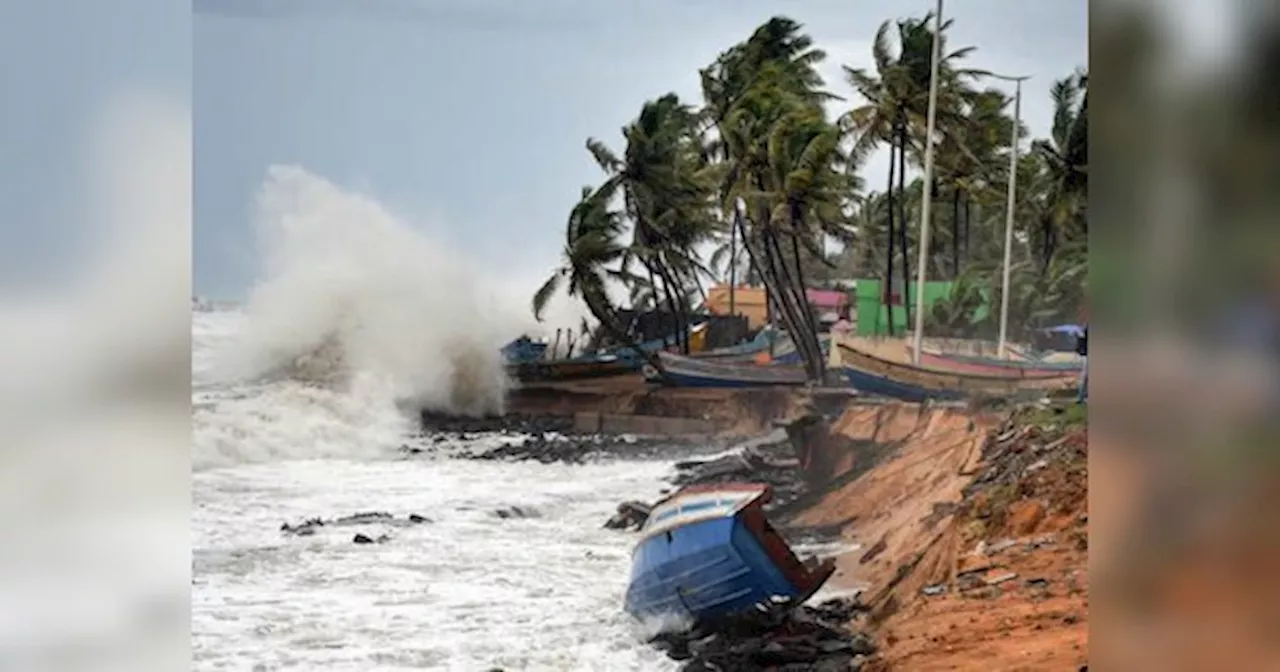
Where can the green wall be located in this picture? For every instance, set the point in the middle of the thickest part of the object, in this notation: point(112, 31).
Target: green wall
point(873, 316)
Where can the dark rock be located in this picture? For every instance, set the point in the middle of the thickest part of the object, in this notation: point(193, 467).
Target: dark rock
point(630, 515)
point(415, 518)
point(776, 638)
point(361, 539)
point(517, 512)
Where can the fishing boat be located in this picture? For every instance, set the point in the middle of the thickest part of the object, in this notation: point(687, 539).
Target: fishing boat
point(995, 367)
point(743, 352)
point(708, 551)
point(560, 370)
point(679, 371)
point(874, 375)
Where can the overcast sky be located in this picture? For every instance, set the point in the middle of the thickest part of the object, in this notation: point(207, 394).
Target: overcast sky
point(469, 118)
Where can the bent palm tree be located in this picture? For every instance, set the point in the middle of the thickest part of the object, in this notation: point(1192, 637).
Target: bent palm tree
point(591, 248)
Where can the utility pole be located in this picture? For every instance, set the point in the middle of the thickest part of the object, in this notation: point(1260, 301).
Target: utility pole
point(1009, 211)
point(927, 197)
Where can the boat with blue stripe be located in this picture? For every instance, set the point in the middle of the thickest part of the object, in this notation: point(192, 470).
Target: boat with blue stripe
point(679, 371)
point(708, 551)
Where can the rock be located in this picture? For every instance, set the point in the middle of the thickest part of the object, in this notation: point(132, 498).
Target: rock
point(630, 515)
point(935, 589)
point(1024, 516)
point(415, 518)
point(999, 579)
point(517, 512)
point(777, 638)
point(361, 539)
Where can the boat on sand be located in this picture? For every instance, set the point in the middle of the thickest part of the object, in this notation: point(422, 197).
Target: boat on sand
point(880, 376)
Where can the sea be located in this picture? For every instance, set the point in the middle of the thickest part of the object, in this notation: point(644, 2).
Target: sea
point(304, 398)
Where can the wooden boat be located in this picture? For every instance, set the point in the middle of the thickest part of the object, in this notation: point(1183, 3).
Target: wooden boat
point(548, 371)
point(708, 551)
point(743, 352)
point(878, 376)
point(996, 366)
point(679, 371)
point(1002, 368)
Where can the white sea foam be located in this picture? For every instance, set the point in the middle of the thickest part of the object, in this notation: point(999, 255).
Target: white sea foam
point(300, 402)
point(358, 322)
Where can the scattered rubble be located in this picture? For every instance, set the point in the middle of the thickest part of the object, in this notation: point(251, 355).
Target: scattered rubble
point(778, 637)
point(771, 463)
point(308, 527)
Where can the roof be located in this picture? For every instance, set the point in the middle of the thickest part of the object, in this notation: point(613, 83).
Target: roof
point(827, 298)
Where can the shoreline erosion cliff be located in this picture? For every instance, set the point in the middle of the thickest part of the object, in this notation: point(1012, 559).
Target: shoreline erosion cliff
point(958, 532)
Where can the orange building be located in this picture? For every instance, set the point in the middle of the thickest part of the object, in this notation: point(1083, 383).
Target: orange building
point(749, 302)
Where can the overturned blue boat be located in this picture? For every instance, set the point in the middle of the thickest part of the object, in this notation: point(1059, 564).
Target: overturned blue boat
point(708, 551)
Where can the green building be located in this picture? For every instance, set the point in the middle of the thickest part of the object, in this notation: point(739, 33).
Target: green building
point(873, 314)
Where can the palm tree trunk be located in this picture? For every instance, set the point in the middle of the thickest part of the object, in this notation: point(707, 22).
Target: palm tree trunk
point(792, 305)
point(733, 257)
point(797, 226)
point(600, 309)
point(778, 282)
point(902, 222)
point(888, 264)
point(968, 230)
point(677, 317)
point(955, 233)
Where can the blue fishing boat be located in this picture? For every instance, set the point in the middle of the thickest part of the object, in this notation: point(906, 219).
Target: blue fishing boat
point(679, 371)
point(708, 551)
point(742, 351)
point(881, 377)
point(524, 349)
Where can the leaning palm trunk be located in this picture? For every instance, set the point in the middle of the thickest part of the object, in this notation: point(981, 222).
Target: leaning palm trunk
point(677, 307)
point(902, 223)
point(600, 309)
point(761, 258)
point(811, 335)
point(887, 292)
point(793, 307)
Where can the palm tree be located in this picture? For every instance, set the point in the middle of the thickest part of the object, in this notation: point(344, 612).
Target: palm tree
point(592, 257)
point(895, 113)
point(779, 173)
point(1066, 158)
point(662, 178)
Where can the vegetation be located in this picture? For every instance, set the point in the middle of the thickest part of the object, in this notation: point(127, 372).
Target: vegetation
point(765, 174)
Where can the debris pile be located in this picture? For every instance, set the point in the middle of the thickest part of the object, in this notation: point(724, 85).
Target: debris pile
point(778, 637)
point(770, 463)
point(1017, 537)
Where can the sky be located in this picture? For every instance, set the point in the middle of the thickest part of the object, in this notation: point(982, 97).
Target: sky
point(466, 117)
point(63, 65)
point(469, 118)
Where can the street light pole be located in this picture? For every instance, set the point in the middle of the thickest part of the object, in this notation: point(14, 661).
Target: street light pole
point(927, 196)
point(1009, 210)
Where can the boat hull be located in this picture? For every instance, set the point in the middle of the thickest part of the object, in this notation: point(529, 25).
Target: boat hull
point(709, 552)
point(995, 368)
point(566, 370)
point(876, 376)
point(992, 365)
point(680, 371)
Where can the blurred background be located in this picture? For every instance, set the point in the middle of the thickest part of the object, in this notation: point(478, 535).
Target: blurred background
point(1185, 294)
